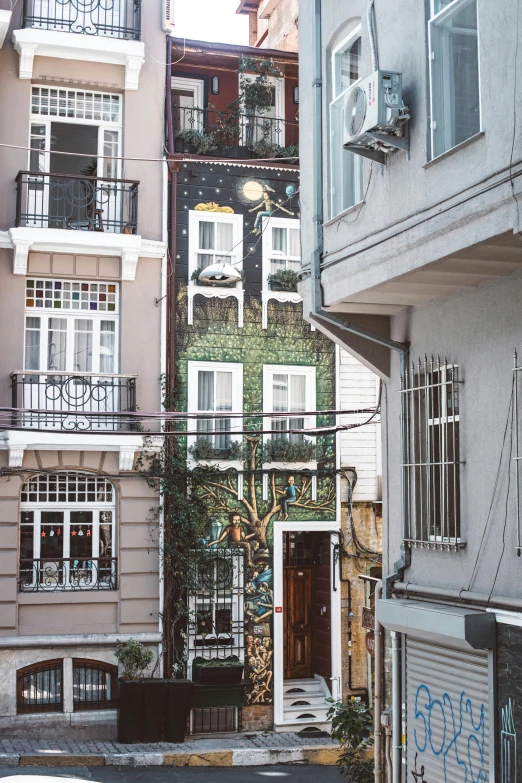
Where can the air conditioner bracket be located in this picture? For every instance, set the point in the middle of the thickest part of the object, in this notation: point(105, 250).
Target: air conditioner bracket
point(400, 142)
point(367, 152)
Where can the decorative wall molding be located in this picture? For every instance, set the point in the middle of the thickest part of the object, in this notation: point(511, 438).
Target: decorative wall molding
point(5, 20)
point(126, 457)
point(57, 240)
point(212, 292)
point(29, 42)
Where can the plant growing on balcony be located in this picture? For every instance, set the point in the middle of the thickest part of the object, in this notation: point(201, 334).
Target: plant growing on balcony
point(134, 658)
point(283, 450)
point(196, 273)
point(204, 449)
point(284, 280)
point(352, 724)
point(203, 142)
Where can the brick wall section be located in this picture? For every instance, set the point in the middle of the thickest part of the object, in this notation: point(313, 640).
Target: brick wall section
point(367, 518)
point(257, 717)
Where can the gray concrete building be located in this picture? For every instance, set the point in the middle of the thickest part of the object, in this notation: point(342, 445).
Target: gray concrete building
point(411, 157)
point(82, 348)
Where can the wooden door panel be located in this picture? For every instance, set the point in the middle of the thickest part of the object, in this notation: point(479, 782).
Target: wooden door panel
point(298, 622)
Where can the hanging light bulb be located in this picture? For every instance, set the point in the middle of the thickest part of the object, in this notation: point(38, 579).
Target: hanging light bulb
point(220, 273)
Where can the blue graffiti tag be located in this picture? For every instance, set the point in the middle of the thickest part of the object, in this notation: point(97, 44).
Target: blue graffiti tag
point(452, 720)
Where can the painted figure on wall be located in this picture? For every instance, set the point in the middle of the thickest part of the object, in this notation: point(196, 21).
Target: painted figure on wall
point(291, 496)
point(268, 207)
point(235, 536)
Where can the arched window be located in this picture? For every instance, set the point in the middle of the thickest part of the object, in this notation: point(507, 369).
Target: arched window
point(67, 533)
point(39, 687)
point(95, 685)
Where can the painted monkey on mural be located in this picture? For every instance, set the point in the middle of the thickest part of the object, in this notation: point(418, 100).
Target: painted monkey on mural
point(235, 535)
point(269, 206)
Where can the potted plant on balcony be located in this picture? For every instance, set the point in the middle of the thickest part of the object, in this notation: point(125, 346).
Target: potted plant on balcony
point(194, 141)
point(217, 671)
point(196, 273)
point(203, 449)
point(283, 280)
point(283, 450)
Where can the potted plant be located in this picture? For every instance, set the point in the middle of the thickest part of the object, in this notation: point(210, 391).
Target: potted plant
point(283, 280)
point(150, 709)
point(352, 725)
point(194, 141)
point(217, 671)
point(283, 450)
point(196, 273)
point(203, 449)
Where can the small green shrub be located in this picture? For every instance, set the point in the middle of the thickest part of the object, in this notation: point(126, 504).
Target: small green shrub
point(352, 726)
point(203, 449)
point(283, 450)
point(134, 658)
point(230, 660)
point(286, 279)
point(203, 142)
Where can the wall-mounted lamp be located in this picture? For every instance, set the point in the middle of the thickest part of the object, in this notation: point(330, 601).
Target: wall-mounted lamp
point(214, 88)
point(296, 94)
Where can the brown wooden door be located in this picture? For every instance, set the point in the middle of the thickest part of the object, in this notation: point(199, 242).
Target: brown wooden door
point(298, 622)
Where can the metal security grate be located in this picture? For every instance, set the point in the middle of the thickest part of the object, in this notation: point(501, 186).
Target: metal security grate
point(431, 454)
point(95, 685)
point(39, 688)
point(214, 720)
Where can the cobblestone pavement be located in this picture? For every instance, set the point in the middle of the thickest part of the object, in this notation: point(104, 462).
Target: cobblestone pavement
point(261, 740)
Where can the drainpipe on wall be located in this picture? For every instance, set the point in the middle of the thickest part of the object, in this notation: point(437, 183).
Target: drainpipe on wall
point(396, 701)
point(377, 694)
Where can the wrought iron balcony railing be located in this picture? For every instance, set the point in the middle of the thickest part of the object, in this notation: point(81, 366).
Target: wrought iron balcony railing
point(227, 134)
point(47, 574)
point(74, 402)
point(113, 18)
point(45, 200)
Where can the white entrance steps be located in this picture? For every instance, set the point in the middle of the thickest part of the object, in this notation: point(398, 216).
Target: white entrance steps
point(305, 706)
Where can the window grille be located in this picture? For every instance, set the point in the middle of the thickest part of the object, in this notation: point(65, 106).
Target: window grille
point(94, 685)
point(39, 688)
point(431, 454)
point(76, 105)
point(67, 488)
point(214, 720)
point(71, 295)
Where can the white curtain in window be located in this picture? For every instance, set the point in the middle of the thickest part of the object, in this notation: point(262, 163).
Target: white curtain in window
point(107, 346)
point(294, 247)
point(280, 393)
point(206, 235)
point(224, 391)
point(205, 398)
point(277, 264)
point(297, 392)
point(279, 240)
point(224, 238)
point(32, 343)
point(82, 345)
point(57, 344)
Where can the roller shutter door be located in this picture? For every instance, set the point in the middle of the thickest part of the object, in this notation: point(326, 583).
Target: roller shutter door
point(447, 714)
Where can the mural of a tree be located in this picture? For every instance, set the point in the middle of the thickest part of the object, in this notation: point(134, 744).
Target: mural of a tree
point(222, 494)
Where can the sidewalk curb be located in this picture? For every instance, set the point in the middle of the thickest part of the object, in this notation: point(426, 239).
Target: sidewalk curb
point(239, 757)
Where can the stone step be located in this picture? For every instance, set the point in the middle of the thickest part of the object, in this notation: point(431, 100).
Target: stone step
point(311, 698)
point(306, 714)
point(301, 726)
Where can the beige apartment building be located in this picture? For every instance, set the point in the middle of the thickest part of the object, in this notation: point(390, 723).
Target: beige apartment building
point(82, 276)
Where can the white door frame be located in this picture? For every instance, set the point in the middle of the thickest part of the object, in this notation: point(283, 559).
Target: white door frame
point(335, 607)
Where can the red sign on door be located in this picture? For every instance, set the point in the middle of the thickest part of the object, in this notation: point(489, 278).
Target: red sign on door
point(279, 609)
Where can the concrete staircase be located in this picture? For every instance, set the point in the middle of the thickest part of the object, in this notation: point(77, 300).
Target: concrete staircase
point(305, 706)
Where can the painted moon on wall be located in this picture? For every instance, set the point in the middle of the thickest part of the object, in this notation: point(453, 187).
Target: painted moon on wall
point(253, 190)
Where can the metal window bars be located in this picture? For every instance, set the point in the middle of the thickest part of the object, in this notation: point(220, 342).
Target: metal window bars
point(112, 18)
point(48, 574)
point(431, 455)
point(39, 688)
point(95, 685)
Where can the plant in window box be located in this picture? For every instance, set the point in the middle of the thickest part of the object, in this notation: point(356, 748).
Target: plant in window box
point(283, 280)
point(284, 450)
point(196, 273)
point(150, 709)
point(200, 142)
point(217, 671)
point(203, 449)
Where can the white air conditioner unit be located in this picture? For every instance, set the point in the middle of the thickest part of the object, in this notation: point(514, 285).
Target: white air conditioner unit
point(375, 117)
point(168, 15)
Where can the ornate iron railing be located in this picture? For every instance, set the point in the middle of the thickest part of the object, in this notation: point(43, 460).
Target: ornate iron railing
point(48, 575)
point(45, 200)
point(113, 18)
point(231, 135)
point(76, 402)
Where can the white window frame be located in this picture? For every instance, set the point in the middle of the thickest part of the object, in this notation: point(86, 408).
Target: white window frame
point(197, 86)
point(435, 18)
point(269, 370)
point(336, 99)
point(267, 293)
point(65, 508)
point(236, 424)
point(235, 258)
point(279, 87)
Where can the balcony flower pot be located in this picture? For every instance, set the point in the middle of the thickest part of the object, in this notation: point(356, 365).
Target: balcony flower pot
point(215, 671)
point(274, 285)
point(178, 707)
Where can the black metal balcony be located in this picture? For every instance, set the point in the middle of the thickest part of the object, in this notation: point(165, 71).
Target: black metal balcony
point(45, 200)
point(73, 402)
point(227, 134)
point(49, 575)
point(113, 18)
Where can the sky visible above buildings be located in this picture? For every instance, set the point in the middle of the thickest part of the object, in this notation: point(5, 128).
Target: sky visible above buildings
point(211, 20)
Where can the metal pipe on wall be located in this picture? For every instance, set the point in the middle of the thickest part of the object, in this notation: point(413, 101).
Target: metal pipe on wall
point(377, 696)
point(461, 596)
point(396, 701)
